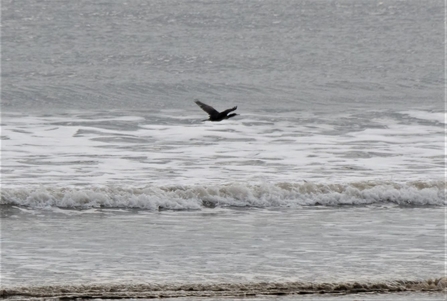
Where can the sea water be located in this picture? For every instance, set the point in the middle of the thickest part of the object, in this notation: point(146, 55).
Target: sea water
point(333, 173)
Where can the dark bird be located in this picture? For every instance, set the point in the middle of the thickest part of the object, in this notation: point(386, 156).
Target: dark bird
point(214, 115)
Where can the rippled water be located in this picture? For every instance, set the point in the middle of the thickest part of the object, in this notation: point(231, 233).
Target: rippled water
point(258, 54)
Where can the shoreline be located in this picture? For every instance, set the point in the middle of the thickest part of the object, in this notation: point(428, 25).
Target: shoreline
point(208, 290)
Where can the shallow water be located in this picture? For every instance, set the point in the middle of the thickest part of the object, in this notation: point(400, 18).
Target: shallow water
point(221, 245)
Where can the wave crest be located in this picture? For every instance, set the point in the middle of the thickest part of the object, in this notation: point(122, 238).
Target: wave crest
point(232, 194)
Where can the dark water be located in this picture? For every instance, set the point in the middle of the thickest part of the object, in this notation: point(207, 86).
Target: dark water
point(258, 54)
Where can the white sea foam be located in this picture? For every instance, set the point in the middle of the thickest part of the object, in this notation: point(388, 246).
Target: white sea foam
point(231, 194)
point(101, 150)
point(440, 117)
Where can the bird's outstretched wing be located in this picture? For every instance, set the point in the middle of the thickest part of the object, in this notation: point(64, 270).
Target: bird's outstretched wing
point(229, 110)
point(209, 109)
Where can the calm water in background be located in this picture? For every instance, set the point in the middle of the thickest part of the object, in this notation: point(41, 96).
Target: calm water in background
point(334, 171)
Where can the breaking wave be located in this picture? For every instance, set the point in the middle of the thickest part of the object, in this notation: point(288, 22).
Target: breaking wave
point(195, 197)
point(110, 291)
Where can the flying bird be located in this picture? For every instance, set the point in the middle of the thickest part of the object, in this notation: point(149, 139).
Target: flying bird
point(214, 115)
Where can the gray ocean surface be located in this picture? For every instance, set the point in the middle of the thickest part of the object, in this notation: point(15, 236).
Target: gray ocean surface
point(331, 179)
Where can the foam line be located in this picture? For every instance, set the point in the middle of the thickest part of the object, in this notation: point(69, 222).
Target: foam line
point(262, 195)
